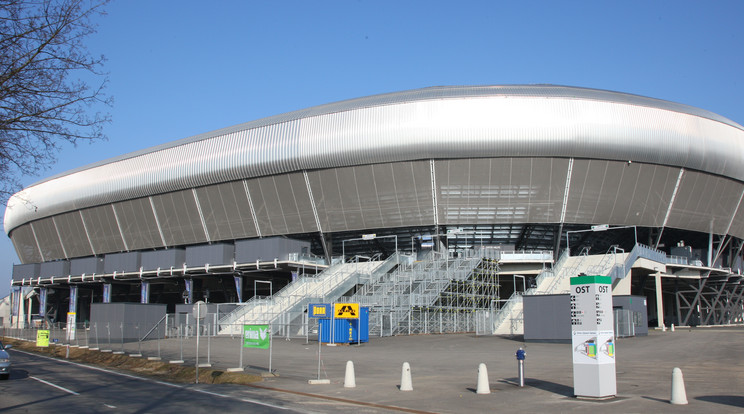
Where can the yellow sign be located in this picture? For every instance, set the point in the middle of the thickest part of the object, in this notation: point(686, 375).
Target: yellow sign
point(346, 310)
point(319, 310)
point(42, 337)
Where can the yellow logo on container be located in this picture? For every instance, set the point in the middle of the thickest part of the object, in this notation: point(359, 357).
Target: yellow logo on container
point(346, 310)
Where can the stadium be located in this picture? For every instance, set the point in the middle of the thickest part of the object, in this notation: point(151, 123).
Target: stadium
point(439, 208)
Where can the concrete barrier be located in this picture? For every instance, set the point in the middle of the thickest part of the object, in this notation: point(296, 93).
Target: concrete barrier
point(405, 378)
point(349, 379)
point(483, 386)
point(679, 395)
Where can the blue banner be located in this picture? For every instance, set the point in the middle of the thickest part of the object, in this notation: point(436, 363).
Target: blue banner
point(145, 292)
point(73, 298)
point(16, 301)
point(188, 295)
point(42, 301)
point(107, 293)
point(239, 287)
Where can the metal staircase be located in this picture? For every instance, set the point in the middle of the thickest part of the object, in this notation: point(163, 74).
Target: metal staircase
point(509, 319)
point(290, 302)
point(398, 301)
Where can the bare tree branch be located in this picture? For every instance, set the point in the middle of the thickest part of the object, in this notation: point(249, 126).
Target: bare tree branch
point(43, 103)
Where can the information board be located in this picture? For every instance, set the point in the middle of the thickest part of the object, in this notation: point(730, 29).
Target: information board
point(319, 310)
point(256, 336)
point(42, 338)
point(593, 337)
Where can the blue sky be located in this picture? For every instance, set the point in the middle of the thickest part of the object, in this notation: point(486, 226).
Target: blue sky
point(180, 68)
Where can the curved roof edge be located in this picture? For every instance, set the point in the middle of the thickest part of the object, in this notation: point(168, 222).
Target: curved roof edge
point(423, 94)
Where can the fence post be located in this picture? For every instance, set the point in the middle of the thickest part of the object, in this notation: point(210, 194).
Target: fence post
point(426, 322)
point(87, 340)
point(95, 325)
point(240, 347)
point(139, 340)
point(166, 321)
point(209, 345)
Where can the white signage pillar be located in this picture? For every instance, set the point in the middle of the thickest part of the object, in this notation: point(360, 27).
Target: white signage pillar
point(593, 337)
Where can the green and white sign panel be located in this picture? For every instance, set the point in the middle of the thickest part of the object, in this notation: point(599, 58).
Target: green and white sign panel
point(256, 336)
point(593, 337)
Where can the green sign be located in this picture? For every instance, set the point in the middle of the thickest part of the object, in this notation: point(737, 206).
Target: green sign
point(256, 336)
point(42, 337)
point(585, 280)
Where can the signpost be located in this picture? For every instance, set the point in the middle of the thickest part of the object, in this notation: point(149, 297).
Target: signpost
point(593, 337)
point(320, 311)
point(200, 311)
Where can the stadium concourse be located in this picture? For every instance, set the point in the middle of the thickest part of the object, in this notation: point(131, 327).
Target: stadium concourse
point(438, 208)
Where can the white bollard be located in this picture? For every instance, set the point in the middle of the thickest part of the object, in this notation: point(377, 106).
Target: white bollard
point(679, 396)
point(405, 378)
point(349, 379)
point(483, 386)
point(672, 328)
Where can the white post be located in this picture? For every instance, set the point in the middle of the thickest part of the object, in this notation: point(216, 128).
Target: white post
point(659, 302)
point(197, 344)
point(271, 336)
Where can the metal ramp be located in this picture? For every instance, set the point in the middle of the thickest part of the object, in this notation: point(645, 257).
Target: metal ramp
point(290, 302)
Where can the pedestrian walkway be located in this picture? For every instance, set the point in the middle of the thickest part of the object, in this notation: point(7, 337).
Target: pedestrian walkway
point(444, 371)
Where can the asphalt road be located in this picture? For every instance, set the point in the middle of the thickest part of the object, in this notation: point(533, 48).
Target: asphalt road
point(40, 384)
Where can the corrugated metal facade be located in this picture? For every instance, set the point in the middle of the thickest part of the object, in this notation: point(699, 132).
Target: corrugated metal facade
point(500, 155)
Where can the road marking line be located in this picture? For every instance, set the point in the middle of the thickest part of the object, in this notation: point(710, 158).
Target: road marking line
point(53, 385)
point(150, 380)
point(241, 399)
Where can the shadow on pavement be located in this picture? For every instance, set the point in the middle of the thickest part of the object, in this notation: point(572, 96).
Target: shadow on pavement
point(553, 387)
point(16, 374)
point(656, 399)
point(733, 400)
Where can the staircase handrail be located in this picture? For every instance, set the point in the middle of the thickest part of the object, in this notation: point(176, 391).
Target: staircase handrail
point(312, 285)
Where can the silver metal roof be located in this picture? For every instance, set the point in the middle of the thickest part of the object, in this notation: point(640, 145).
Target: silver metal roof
point(432, 123)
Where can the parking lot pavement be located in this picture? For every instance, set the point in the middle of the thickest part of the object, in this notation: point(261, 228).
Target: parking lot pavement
point(444, 371)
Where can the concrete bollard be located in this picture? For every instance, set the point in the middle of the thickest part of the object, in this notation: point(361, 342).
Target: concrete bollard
point(405, 378)
point(349, 379)
point(679, 396)
point(672, 328)
point(483, 386)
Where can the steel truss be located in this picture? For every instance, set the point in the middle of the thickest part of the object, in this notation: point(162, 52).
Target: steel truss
point(712, 300)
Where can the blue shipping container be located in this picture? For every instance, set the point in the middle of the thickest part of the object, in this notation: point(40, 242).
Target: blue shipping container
point(345, 331)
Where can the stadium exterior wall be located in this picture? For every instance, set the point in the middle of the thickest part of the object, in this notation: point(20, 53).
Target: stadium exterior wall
point(436, 156)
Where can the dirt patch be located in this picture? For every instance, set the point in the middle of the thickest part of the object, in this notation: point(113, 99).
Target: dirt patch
point(140, 366)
